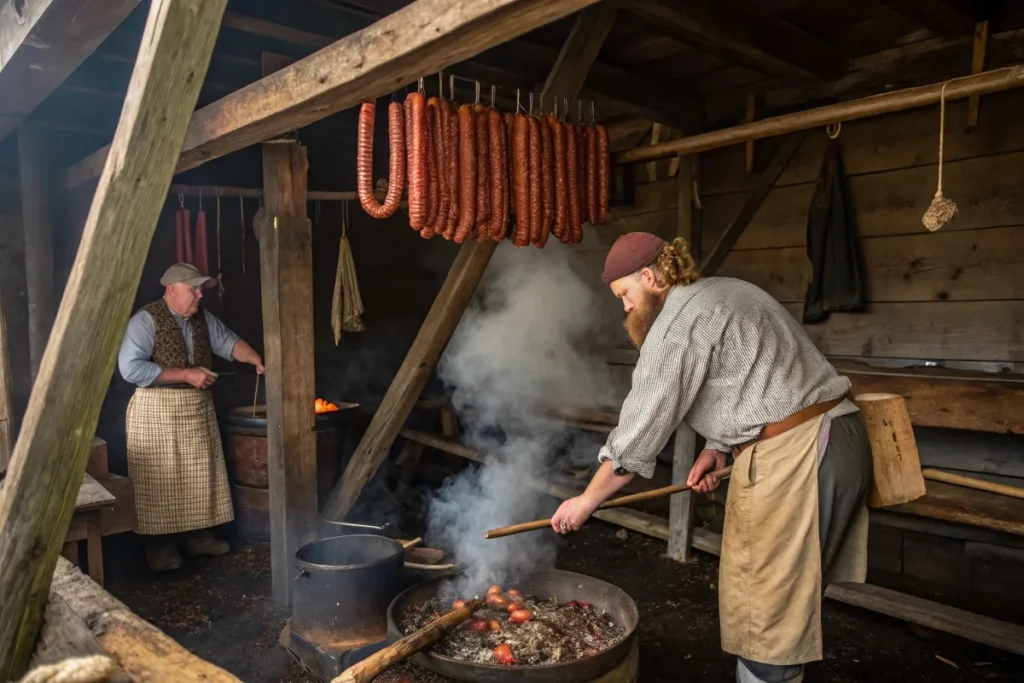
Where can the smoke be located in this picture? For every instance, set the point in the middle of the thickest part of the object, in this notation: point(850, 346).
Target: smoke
point(529, 339)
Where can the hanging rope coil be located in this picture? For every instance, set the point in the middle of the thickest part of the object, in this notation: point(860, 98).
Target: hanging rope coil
point(942, 210)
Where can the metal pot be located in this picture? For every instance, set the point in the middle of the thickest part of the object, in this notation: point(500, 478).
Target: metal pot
point(341, 594)
point(565, 586)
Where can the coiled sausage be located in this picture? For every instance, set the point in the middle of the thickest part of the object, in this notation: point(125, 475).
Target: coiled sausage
point(364, 160)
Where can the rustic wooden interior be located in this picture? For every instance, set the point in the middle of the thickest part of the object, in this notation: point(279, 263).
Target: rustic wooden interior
point(943, 324)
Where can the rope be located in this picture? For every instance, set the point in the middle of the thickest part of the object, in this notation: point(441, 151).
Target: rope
point(942, 132)
point(941, 210)
point(94, 669)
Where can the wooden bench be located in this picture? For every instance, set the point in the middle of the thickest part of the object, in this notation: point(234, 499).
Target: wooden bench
point(86, 525)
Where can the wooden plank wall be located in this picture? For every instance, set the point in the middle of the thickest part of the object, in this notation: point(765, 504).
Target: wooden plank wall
point(955, 295)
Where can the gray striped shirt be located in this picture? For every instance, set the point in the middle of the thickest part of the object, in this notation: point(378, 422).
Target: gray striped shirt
point(727, 358)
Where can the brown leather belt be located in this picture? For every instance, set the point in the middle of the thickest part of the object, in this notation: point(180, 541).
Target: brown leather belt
point(794, 420)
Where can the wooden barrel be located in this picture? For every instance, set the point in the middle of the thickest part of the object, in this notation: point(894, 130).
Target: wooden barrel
point(245, 449)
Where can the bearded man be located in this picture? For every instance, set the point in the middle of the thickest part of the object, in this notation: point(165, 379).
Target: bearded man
point(729, 360)
point(175, 456)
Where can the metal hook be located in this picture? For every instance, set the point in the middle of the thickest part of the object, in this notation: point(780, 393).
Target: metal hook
point(200, 198)
point(181, 200)
point(451, 86)
point(556, 109)
point(593, 113)
point(542, 104)
point(421, 89)
point(531, 104)
point(494, 88)
point(832, 129)
point(518, 106)
point(579, 111)
point(440, 84)
point(477, 96)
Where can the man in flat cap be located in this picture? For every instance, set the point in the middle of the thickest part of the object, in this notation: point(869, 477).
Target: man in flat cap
point(175, 457)
point(729, 360)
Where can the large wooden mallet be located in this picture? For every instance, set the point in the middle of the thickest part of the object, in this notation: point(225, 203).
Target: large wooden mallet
point(897, 466)
point(368, 669)
point(539, 524)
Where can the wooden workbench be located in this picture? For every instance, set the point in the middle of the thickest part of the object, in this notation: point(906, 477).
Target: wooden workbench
point(85, 525)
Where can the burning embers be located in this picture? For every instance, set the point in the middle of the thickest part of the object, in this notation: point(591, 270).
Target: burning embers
point(519, 630)
point(321, 406)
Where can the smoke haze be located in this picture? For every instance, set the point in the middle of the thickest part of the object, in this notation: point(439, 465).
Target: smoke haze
point(527, 340)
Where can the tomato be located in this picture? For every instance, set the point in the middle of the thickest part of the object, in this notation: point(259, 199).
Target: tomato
point(479, 625)
point(521, 616)
point(503, 653)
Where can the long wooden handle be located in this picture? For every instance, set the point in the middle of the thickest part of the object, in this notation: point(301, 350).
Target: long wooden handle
point(368, 669)
point(973, 483)
point(613, 503)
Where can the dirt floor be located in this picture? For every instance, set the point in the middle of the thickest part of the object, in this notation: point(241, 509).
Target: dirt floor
point(219, 608)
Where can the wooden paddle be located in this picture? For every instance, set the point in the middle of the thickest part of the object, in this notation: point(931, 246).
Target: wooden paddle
point(368, 669)
point(613, 503)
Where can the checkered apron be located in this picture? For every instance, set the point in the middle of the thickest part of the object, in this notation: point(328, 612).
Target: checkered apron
point(176, 461)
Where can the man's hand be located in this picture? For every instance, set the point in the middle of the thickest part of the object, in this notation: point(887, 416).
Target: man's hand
point(259, 366)
point(572, 514)
point(700, 478)
point(200, 378)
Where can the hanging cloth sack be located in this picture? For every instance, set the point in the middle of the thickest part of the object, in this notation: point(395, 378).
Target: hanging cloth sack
point(833, 246)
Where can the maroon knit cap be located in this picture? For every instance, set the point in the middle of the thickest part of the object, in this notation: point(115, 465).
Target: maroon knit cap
point(630, 253)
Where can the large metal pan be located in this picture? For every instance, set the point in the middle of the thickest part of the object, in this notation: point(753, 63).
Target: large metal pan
point(563, 585)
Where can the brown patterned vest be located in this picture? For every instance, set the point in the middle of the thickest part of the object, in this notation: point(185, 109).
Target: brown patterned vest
point(169, 348)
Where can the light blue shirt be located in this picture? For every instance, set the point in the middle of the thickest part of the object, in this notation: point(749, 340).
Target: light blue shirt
point(135, 359)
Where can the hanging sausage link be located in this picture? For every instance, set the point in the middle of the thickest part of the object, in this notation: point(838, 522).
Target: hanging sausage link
point(572, 178)
point(604, 175)
point(495, 135)
point(364, 160)
point(483, 175)
point(467, 173)
point(560, 220)
point(536, 209)
point(417, 157)
point(521, 176)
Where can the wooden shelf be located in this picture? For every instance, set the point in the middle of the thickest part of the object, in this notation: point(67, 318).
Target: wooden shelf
point(959, 504)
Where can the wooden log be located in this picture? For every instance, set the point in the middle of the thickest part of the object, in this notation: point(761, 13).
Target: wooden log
point(49, 459)
point(368, 669)
point(438, 327)
point(973, 483)
point(749, 207)
point(65, 635)
point(897, 467)
point(682, 507)
point(34, 161)
point(623, 501)
point(923, 96)
point(418, 40)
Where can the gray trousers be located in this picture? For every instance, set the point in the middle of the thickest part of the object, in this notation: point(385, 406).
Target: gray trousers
point(844, 475)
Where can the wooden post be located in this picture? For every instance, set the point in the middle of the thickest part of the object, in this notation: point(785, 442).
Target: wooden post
point(49, 459)
point(6, 407)
point(34, 158)
point(977, 66)
point(569, 73)
point(286, 274)
point(682, 505)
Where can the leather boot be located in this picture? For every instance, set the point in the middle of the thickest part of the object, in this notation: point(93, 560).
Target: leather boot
point(162, 554)
point(203, 542)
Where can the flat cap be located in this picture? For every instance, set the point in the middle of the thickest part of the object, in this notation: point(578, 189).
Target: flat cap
point(186, 274)
point(630, 253)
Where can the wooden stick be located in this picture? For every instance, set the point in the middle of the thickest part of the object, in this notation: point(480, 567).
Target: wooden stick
point(973, 483)
point(368, 669)
point(624, 501)
point(886, 103)
point(49, 459)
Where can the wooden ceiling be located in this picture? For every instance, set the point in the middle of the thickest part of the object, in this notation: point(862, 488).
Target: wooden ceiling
point(663, 60)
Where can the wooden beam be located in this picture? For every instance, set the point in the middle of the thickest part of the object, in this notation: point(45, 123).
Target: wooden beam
point(6, 398)
point(762, 186)
point(37, 200)
point(579, 52)
point(923, 96)
point(286, 277)
point(764, 44)
point(463, 278)
point(421, 39)
point(979, 50)
point(269, 29)
point(751, 159)
point(944, 17)
point(442, 319)
point(682, 506)
point(49, 458)
point(42, 42)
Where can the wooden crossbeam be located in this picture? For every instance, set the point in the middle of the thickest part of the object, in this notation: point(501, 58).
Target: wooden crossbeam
point(579, 52)
point(944, 17)
point(42, 42)
point(764, 44)
point(49, 460)
point(762, 186)
point(418, 40)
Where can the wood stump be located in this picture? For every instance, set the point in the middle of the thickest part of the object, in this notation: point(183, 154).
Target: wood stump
point(897, 466)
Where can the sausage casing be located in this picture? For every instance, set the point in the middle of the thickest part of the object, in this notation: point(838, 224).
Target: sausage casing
point(592, 173)
point(467, 173)
point(572, 172)
point(604, 175)
point(483, 174)
point(495, 136)
point(521, 174)
point(364, 160)
point(451, 121)
point(417, 158)
point(560, 219)
point(547, 181)
point(536, 208)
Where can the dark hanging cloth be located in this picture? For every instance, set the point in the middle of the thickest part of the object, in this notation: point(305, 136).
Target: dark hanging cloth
point(833, 246)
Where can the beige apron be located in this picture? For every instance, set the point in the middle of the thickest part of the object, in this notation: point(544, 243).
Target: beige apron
point(770, 573)
point(176, 461)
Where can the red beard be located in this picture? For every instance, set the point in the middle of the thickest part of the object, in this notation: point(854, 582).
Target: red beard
point(639, 321)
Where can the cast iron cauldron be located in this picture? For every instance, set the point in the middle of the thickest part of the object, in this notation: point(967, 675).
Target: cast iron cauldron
point(565, 586)
point(344, 584)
